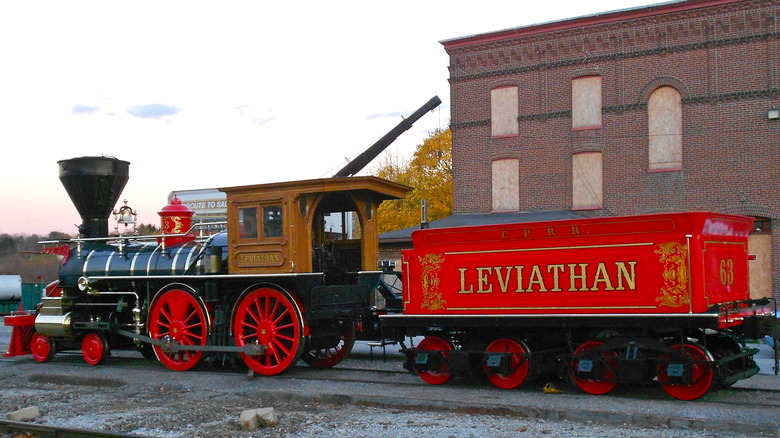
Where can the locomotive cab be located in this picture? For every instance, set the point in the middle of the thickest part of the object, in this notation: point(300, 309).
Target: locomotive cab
point(313, 226)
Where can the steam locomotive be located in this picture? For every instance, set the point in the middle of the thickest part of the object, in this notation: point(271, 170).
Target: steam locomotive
point(293, 275)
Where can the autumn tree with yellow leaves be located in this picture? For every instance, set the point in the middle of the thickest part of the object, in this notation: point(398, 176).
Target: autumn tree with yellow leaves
point(428, 172)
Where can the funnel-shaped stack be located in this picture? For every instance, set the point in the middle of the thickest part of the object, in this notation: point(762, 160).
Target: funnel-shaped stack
point(94, 185)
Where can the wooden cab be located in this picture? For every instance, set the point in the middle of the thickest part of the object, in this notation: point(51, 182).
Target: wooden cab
point(306, 226)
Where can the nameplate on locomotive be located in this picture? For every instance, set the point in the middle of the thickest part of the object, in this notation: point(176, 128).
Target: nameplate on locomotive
point(259, 259)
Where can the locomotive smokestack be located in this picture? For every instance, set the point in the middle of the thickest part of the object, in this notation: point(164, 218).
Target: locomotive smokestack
point(94, 185)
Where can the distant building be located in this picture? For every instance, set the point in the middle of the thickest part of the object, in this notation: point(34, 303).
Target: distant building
point(671, 107)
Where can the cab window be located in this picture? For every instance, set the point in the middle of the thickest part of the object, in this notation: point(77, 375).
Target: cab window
point(272, 221)
point(265, 225)
point(247, 222)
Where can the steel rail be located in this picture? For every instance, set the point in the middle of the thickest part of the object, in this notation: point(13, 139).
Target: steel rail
point(20, 428)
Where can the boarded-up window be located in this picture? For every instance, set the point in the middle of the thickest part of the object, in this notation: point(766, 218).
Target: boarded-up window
point(506, 185)
point(760, 246)
point(503, 111)
point(586, 102)
point(587, 178)
point(664, 112)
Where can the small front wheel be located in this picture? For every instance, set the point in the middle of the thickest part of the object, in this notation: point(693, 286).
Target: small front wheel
point(94, 348)
point(42, 348)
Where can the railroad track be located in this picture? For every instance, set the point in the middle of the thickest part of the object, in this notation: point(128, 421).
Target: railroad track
point(22, 429)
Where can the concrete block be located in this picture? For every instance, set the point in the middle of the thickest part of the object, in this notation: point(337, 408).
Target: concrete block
point(26, 414)
point(249, 419)
point(252, 419)
point(267, 417)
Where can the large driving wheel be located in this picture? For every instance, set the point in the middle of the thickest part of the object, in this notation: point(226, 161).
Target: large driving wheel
point(436, 352)
point(269, 318)
point(42, 348)
point(518, 364)
point(94, 348)
point(584, 363)
point(671, 373)
point(178, 316)
point(328, 357)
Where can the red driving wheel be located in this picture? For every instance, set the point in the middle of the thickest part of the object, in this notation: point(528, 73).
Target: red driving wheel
point(328, 357)
point(179, 317)
point(271, 319)
point(701, 373)
point(596, 387)
point(518, 363)
point(434, 343)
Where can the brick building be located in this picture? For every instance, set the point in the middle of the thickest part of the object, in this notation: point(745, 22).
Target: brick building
point(671, 107)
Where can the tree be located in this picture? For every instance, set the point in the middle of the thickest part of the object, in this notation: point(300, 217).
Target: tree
point(428, 172)
point(20, 255)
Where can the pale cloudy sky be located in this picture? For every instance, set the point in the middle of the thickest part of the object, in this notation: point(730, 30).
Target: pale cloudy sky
point(198, 94)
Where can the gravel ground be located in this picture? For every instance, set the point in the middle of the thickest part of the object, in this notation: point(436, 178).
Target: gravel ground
point(168, 404)
point(173, 412)
point(144, 398)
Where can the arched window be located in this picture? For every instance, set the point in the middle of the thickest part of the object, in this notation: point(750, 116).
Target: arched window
point(664, 112)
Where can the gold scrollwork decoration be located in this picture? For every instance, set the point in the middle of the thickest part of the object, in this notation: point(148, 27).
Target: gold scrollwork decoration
point(673, 257)
point(430, 265)
point(177, 225)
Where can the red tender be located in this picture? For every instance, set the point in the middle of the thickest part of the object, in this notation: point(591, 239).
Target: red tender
point(663, 263)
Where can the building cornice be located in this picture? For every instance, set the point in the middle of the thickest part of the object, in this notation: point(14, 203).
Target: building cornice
point(589, 20)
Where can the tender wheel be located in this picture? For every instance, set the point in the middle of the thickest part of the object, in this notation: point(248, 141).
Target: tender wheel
point(721, 347)
point(433, 369)
point(518, 364)
point(328, 357)
point(178, 316)
point(42, 348)
point(94, 348)
point(701, 374)
point(584, 362)
point(269, 318)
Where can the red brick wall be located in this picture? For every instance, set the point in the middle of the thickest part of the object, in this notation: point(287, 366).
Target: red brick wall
point(724, 59)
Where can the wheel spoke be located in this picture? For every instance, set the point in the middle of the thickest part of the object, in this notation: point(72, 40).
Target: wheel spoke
point(193, 314)
point(165, 313)
point(274, 311)
point(256, 314)
point(281, 346)
point(285, 337)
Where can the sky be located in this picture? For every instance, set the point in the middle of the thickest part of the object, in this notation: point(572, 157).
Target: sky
point(198, 94)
